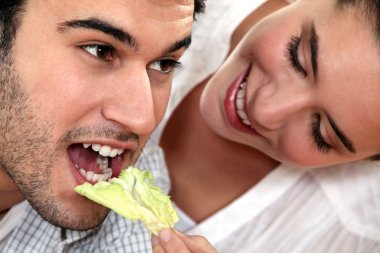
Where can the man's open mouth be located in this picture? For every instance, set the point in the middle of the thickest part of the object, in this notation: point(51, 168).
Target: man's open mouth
point(96, 162)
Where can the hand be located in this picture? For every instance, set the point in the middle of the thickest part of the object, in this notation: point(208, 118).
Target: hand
point(172, 241)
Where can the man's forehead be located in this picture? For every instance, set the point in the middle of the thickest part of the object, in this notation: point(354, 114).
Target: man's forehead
point(168, 9)
point(171, 9)
point(173, 2)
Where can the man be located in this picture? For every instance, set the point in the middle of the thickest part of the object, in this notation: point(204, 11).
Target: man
point(83, 84)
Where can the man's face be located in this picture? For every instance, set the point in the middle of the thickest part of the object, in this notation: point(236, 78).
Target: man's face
point(87, 73)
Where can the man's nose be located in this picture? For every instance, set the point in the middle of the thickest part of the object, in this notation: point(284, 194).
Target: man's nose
point(276, 105)
point(129, 102)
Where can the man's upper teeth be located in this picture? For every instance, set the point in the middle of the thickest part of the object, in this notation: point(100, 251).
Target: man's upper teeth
point(104, 150)
point(240, 101)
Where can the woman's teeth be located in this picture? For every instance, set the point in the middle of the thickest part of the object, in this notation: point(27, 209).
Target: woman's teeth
point(240, 102)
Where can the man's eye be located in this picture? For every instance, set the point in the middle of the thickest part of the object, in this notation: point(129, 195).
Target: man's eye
point(103, 52)
point(165, 66)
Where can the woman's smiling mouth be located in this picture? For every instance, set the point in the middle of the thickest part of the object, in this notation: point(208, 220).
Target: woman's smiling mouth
point(235, 104)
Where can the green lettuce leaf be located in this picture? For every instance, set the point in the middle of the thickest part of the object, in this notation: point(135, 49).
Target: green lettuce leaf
point(135, 196)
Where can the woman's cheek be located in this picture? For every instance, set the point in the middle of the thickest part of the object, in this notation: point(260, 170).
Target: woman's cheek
point(300, 150)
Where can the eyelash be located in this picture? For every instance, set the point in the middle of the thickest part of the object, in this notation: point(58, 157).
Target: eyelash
point(293, 46)
point(319, 141)
point(109, 52)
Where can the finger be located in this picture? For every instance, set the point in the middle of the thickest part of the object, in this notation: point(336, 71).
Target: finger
point(198, 244)
point(171, 243)
point(156, 245)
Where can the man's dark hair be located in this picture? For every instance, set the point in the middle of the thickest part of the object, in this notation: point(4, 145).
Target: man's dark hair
point(10, 18)
point(199, 7)
point(369, 9)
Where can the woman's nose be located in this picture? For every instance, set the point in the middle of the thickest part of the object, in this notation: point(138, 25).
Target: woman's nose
point(275, 105)
point(130, 102)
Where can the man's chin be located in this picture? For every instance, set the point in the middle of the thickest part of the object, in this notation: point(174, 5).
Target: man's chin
point(75, 219)
point(83, 226)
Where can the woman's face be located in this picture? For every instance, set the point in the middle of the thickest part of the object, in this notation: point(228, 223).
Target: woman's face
point(302, 86)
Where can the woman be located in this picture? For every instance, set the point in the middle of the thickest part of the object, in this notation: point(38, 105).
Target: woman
point(266, 162)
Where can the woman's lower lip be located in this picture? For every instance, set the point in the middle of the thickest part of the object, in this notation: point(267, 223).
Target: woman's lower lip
point(230, 104)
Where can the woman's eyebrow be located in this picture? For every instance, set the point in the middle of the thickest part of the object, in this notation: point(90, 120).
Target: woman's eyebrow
point(314, 46)
point(346, 142)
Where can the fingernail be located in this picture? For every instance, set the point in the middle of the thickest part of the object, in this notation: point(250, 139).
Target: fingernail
point(165, 235)
point(155, 241)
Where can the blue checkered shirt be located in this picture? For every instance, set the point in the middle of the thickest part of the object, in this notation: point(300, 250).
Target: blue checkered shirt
point(116, 234)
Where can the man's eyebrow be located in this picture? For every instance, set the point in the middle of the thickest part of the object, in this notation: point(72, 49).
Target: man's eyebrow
point(102, 26)
point(185, 42)
point(346, 142)
point(314, 46)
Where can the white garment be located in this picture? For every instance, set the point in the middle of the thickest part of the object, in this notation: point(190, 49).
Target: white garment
point(10, 221)
point(335, 209)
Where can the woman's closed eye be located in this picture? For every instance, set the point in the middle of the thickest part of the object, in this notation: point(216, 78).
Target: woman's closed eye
point(293, 47)
point(318, 138)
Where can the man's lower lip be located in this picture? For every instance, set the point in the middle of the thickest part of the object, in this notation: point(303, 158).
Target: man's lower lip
point(230, 105)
